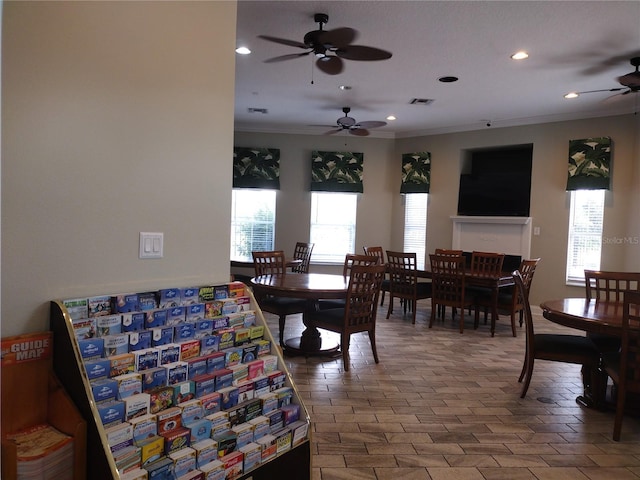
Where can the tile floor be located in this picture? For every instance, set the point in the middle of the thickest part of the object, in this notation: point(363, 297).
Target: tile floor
point(441, 406)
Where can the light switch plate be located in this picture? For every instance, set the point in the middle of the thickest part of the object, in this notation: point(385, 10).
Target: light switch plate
point(151, 244)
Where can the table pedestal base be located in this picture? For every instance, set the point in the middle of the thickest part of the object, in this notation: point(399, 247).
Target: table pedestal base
point(311, 343)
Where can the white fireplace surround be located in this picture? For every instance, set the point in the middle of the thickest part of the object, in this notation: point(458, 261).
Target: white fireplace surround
point(508, 235)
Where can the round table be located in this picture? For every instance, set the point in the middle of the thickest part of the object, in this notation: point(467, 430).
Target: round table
point(312, 287)
point(588, 315)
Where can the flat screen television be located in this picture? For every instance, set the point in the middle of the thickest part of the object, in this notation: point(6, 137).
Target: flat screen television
point(497, 182)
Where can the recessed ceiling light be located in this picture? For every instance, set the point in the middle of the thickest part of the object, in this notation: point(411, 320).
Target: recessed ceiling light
point(521, 55)
point(391, 117)
point(572, 95)
point(448, 79)
point(345, 87)
point(243, 51)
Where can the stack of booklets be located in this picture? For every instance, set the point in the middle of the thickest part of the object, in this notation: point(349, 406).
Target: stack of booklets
point(43, 453)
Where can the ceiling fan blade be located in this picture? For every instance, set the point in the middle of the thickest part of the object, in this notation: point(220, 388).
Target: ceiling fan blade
point(340, 37)
point(289, 56)
point(283, 41)
point(359, 132)
point(330, 65)
point(372, 124)
point(361, 52)
point(331, 132)
point(617, 97)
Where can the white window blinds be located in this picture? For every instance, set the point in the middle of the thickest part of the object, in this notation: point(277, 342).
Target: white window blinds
point(415, 226)
point(333, 226)
point(253, 221)
point(585, 233)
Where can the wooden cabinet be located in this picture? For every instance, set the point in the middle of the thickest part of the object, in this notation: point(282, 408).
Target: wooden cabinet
point(32, 395)
point(68, 365)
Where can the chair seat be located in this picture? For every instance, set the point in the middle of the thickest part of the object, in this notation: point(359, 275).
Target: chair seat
point(283, 305)
point(570, 348)
point(330, 317)
point(605, 343)
point(423, 289)
point(329, 304)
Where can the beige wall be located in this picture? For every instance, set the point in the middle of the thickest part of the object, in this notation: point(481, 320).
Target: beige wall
point(380, 209)
point(117, 118)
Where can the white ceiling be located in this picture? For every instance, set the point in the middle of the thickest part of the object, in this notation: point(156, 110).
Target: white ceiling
point(573, 46)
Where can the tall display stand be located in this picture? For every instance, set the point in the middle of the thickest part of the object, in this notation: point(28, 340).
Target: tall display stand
point(69, 368)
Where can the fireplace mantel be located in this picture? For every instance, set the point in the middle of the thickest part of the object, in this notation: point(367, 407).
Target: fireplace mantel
point(508, 235)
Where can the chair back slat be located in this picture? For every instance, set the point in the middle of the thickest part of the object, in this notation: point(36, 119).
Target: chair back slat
point(486, 264)
point(376, 252)
point(527, 269)
point(446, 251)
point(609, 286)
point(353, 259)
point(447, 274)
point(402, 269)
point(362, 296)
point(302, 251)
point(269, 262)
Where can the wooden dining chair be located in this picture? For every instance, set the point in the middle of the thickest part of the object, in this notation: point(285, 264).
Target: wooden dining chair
point(448, 285)
point(350, 260)
point(555, 347)
point(302, 251)
point(456, 253)
point(484, 264)
point(624, 367)
point(270, 263)
point(609, 286)
point(510, 300)
point(378, 252)
point(359, 311)
point(403, 281)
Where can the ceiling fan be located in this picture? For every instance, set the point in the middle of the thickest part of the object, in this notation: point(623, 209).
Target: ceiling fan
point(354, 128)
point(630, 82)
point(329, 47)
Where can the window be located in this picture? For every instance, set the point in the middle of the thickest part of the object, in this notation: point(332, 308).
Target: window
point(253, 221)
point(585, 233)
point(333, 225)
point(415, 226)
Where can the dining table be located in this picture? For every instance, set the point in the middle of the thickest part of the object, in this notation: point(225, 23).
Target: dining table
point(248, 262)
point(313, 287)
point(590, 316)
point(491, 282)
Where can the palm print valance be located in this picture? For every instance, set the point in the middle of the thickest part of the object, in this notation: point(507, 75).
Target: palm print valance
point(416, 172)
point(589, 164)
point(256, 168)
point(336, 171)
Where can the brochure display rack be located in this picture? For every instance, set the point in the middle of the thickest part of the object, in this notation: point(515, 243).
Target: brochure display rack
point(250, 393)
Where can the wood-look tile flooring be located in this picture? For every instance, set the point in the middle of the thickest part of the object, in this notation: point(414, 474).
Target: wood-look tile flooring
point(446, 406)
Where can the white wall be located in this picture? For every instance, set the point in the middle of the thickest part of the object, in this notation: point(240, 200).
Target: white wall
point(381, 214)
point(117, 118)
